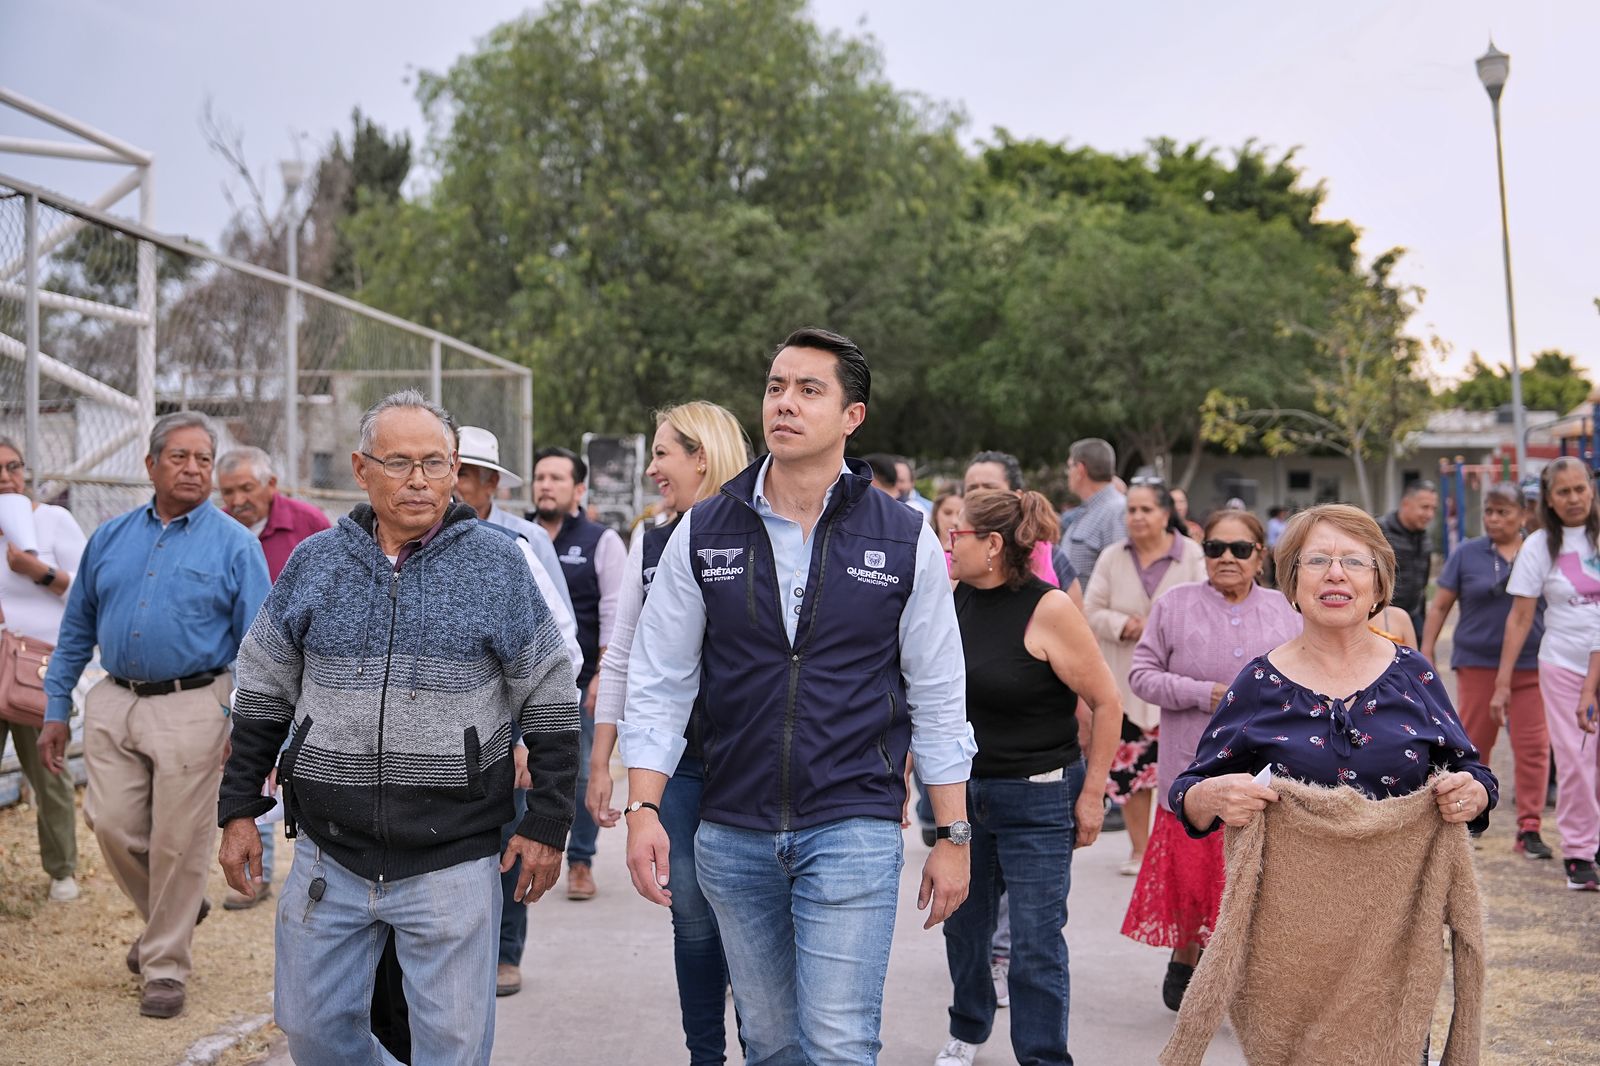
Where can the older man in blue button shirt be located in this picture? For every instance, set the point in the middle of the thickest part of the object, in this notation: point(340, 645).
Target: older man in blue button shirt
point(167, 592)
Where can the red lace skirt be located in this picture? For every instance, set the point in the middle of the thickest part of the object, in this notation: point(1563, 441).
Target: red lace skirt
point(1179, 890)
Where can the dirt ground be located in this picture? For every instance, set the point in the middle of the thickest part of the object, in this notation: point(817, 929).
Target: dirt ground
point(1542, 1000)
point(66, 995)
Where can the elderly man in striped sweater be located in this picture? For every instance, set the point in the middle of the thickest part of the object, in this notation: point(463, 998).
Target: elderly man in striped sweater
point(402, 652)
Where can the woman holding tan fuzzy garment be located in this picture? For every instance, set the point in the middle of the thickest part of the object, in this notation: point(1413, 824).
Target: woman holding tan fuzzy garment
point(1339, 705)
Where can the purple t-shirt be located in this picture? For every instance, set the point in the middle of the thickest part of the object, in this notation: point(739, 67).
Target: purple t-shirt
point(1477, 574)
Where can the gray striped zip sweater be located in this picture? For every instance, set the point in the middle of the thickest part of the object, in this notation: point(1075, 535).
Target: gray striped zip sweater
point(401, 689)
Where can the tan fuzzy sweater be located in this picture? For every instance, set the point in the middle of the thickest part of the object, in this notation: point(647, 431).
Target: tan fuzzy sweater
point(1329, 950)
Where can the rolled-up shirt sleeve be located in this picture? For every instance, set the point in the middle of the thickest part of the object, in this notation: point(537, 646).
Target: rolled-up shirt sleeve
point(934, 668)
point(664, 666)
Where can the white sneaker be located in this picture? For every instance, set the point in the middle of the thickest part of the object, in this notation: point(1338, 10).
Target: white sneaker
point(1000, 973)
point(957, 1053)
point(64, 890)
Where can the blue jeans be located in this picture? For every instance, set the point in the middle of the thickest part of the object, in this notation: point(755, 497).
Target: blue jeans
point(445, 925)
point(807, 918)
point(1022, 837)
point(581, 841)
point(696, 947)
point(513, 915)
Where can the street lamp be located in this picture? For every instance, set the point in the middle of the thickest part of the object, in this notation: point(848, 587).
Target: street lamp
point(294, 173)
point(1494, 66)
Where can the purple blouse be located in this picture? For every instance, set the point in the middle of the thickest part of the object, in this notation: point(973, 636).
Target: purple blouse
point(1386, 741)
point(1193, 639)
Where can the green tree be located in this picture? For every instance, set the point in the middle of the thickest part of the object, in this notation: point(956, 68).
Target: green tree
point(1071, 317)
point(1371, 390)
point(1254, 184)
point(372, 169)
point(1554, 382)
point(637, 198)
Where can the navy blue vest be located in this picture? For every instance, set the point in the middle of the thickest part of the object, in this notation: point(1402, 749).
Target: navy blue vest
point(575, 547)
point(799, 735)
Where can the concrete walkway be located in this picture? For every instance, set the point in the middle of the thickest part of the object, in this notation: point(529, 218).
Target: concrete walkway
point(599, 989)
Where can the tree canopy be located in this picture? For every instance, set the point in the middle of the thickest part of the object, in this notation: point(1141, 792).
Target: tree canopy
point(1554, 382)
point(638, 198)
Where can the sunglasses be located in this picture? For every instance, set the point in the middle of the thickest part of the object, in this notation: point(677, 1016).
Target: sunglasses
point(1150, 481)
point(1241, 549)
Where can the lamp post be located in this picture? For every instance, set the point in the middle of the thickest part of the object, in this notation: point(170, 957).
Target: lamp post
point(294, 173)
point(1494, 66)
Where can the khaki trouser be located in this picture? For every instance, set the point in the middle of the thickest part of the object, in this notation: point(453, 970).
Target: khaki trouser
point(53, 806)
point(155, 764)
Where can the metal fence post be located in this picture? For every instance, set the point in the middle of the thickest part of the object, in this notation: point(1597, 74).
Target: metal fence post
point(525, 423)
point(146, 351)
point(435, 371)
point(291, 370)
point(30, 373)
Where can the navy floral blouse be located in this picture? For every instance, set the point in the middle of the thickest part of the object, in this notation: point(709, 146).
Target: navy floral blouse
point(1386, 740)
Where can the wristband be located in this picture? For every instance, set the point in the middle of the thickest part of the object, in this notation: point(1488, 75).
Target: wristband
point(48, 579)
point(637, 804)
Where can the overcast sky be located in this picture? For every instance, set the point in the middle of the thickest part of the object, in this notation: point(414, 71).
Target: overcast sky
point(1381, 98)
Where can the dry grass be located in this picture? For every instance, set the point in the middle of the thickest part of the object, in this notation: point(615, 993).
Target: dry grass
point(65, 993)
point(1542, 942)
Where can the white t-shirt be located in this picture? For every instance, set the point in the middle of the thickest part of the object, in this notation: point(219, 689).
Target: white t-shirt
point(32, 610)
point(1571, 590)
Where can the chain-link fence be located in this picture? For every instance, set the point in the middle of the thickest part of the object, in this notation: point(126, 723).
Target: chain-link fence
point(132, 325)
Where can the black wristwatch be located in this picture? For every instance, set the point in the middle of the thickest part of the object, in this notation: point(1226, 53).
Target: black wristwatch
point(641, 804)
point(48, 579)
point(957, 832)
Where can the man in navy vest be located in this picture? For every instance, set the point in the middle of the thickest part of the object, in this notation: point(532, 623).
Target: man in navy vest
point(814, 617)
point(592, 560)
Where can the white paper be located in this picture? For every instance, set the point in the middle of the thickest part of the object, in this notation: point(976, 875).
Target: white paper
point(16, 521)
point(1265, 776)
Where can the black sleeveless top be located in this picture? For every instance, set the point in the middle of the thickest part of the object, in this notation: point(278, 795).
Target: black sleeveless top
point(1024, 717)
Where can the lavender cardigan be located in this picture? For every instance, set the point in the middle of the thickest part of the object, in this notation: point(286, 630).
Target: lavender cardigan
point(1195, 638)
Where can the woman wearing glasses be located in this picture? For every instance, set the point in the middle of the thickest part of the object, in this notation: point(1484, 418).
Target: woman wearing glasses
point(1129, 575)
point(33, 590)
point(1035, 793)
point(1336, 705)
point(1197, 638)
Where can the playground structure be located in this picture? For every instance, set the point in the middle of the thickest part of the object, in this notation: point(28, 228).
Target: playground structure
point(105, 324)
point(1575, 434)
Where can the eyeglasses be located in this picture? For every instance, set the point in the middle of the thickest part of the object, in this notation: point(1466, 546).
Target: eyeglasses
point(1352, 564)
point(434, 467)
point(15, 466)
point(954, 533)
point(1151, 481)
point(1241, 549)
